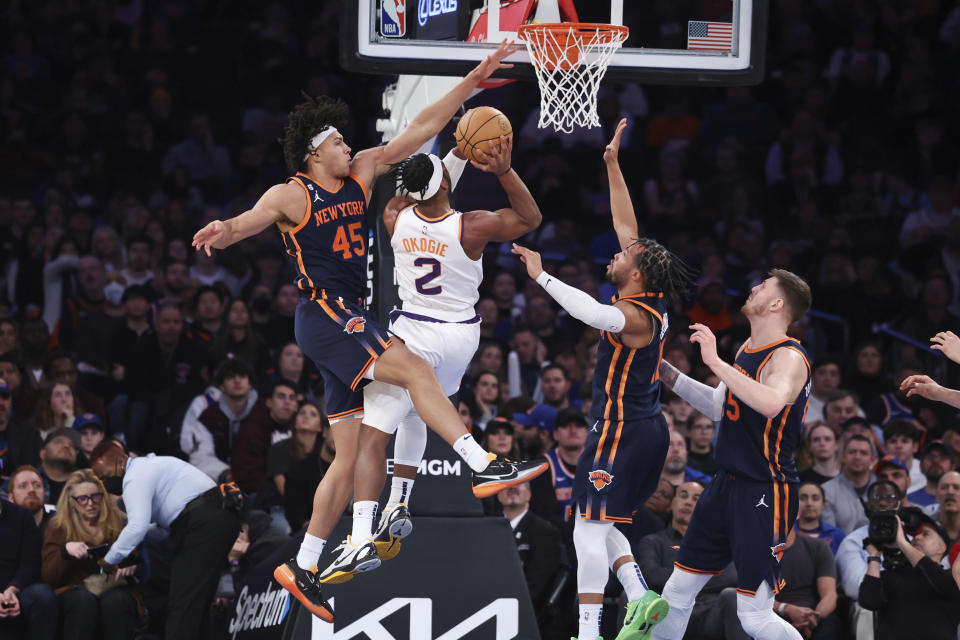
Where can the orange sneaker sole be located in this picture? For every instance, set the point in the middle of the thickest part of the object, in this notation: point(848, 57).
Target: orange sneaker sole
point(286, 579)
point(494, 488)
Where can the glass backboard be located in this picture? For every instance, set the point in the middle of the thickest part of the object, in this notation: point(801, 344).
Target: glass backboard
point(719, 42)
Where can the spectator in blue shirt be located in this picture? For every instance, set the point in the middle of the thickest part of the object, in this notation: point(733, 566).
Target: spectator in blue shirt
point(812, 500)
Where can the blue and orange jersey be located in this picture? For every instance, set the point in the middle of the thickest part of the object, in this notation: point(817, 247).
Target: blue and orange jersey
point(626, 382)
point(329, 245)
point(751, 445)
point(562, 481)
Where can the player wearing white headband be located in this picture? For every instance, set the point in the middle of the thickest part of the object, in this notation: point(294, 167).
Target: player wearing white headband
point(321, 214)
point(438, 256)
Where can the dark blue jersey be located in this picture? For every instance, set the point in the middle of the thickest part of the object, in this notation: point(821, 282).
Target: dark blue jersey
point(752, 446)
point(329, 246)
point(562, 481)
point(626, 382)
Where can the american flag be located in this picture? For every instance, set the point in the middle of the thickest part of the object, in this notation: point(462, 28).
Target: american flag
point(715, 36)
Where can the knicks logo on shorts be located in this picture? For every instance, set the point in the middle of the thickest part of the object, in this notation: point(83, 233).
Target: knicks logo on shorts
point(777, 551)
point(600, 479)
point(356, 324)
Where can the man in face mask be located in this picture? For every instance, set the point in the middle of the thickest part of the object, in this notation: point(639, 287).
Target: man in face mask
point(183, 500)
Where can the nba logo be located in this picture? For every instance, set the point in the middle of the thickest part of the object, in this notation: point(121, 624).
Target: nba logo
point(393, 20)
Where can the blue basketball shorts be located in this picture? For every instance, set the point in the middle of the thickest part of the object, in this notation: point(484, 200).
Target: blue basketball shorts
point(343, 339)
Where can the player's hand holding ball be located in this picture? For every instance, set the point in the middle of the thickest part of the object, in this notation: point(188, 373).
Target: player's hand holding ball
point(708, 344)
point(497, 159)
point(531, 259)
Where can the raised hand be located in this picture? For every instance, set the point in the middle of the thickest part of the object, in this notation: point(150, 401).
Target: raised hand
point(494, 61)
point(708, 344)
point(529, 258)
point(947, 343)
point(497, 159)
point(207, 237)
point(612, 151)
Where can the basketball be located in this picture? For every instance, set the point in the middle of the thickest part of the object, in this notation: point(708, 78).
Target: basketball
point(478, 126)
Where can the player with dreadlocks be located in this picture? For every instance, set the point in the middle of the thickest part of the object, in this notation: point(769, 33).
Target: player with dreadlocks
point(321, 215)
point(438, 256)
point(627, 444)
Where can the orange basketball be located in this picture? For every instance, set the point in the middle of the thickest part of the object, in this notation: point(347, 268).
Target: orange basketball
point(480, 127)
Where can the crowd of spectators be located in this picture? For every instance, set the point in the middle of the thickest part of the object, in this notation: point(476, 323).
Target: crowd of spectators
point(126, 126)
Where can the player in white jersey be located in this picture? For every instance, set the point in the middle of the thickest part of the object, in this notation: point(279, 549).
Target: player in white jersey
point(438, 259)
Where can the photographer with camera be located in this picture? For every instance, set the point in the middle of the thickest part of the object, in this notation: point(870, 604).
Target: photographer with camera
point(906, 582)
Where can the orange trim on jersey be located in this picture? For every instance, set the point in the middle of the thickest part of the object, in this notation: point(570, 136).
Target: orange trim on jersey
point(616, 443)
point(772, 344)
point(303, 269)
point(647, 307)
point(603, 437)
point(766, 446)
point(330, 312)
point(776, 510)
point(356, 381)
point(646, 294)
point(746, 592)
point(683, 567)
point(604, 516)
point(344, 414)
point(763, 364)
point(610, 371)
point(306, 214)
point(340, 302)
point(786, 511)
point(656, 370)
point(780, 430)
point(623, 384)
point(363, 187)
point(387, 344)
point(426, 219)
point(805, 361)
point(342, 182)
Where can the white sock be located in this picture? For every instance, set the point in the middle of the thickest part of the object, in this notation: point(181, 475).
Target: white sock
point(589, 621)
point(632, 580)
point(472, 453)
point(400, 490)
point(364, 513)
point(310, 550)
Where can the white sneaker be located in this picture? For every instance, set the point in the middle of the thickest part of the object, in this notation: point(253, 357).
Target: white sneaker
point(395, 525)
point(352, 559)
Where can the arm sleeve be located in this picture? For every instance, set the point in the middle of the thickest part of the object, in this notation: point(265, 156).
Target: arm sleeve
point(702, 397)
point(454, 167)
point(138, 500)
point(872, 596)
point(583, 307)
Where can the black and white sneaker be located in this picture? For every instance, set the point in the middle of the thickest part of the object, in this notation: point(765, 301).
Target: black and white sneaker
point(395, 525)
point(501, 474)
point(353, 559)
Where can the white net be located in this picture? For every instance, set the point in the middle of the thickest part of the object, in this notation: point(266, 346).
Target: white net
point(570, 62)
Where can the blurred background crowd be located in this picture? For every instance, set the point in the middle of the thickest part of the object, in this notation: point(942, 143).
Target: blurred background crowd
point(126, 126)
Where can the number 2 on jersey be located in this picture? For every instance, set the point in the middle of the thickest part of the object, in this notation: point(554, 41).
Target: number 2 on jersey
point(423, 280)
point(342, 246)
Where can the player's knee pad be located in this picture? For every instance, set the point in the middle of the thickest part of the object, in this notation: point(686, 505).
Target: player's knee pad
point(617, 546)
point(683, 587)
point(589, 539)
point(411, 441)
point(758, 619)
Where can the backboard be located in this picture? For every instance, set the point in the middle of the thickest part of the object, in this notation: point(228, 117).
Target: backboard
point(718, 42)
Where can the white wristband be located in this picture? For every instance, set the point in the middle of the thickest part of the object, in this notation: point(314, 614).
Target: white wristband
point(783, 605)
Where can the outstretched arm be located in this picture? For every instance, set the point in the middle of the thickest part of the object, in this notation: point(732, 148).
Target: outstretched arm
point(370, 163)
point(501, 225)
point(577, 303)
point(621, 206)
point(278, 204)
point(702, 397)
point(947, 343)
point(925, 387)
point(783, 377)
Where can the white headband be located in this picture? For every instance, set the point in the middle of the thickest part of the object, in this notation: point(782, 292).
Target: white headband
point(434, 185)
point(318, 140)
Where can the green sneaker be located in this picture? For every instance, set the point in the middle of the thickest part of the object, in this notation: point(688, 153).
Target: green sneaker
point(642, 616)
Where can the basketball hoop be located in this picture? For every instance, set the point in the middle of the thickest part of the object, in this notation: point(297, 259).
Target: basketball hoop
point(570, 59)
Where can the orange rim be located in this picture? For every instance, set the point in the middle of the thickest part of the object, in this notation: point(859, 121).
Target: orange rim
point(562, 50)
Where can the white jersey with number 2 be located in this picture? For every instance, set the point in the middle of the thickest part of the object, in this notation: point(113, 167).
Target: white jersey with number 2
point(435, 276)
